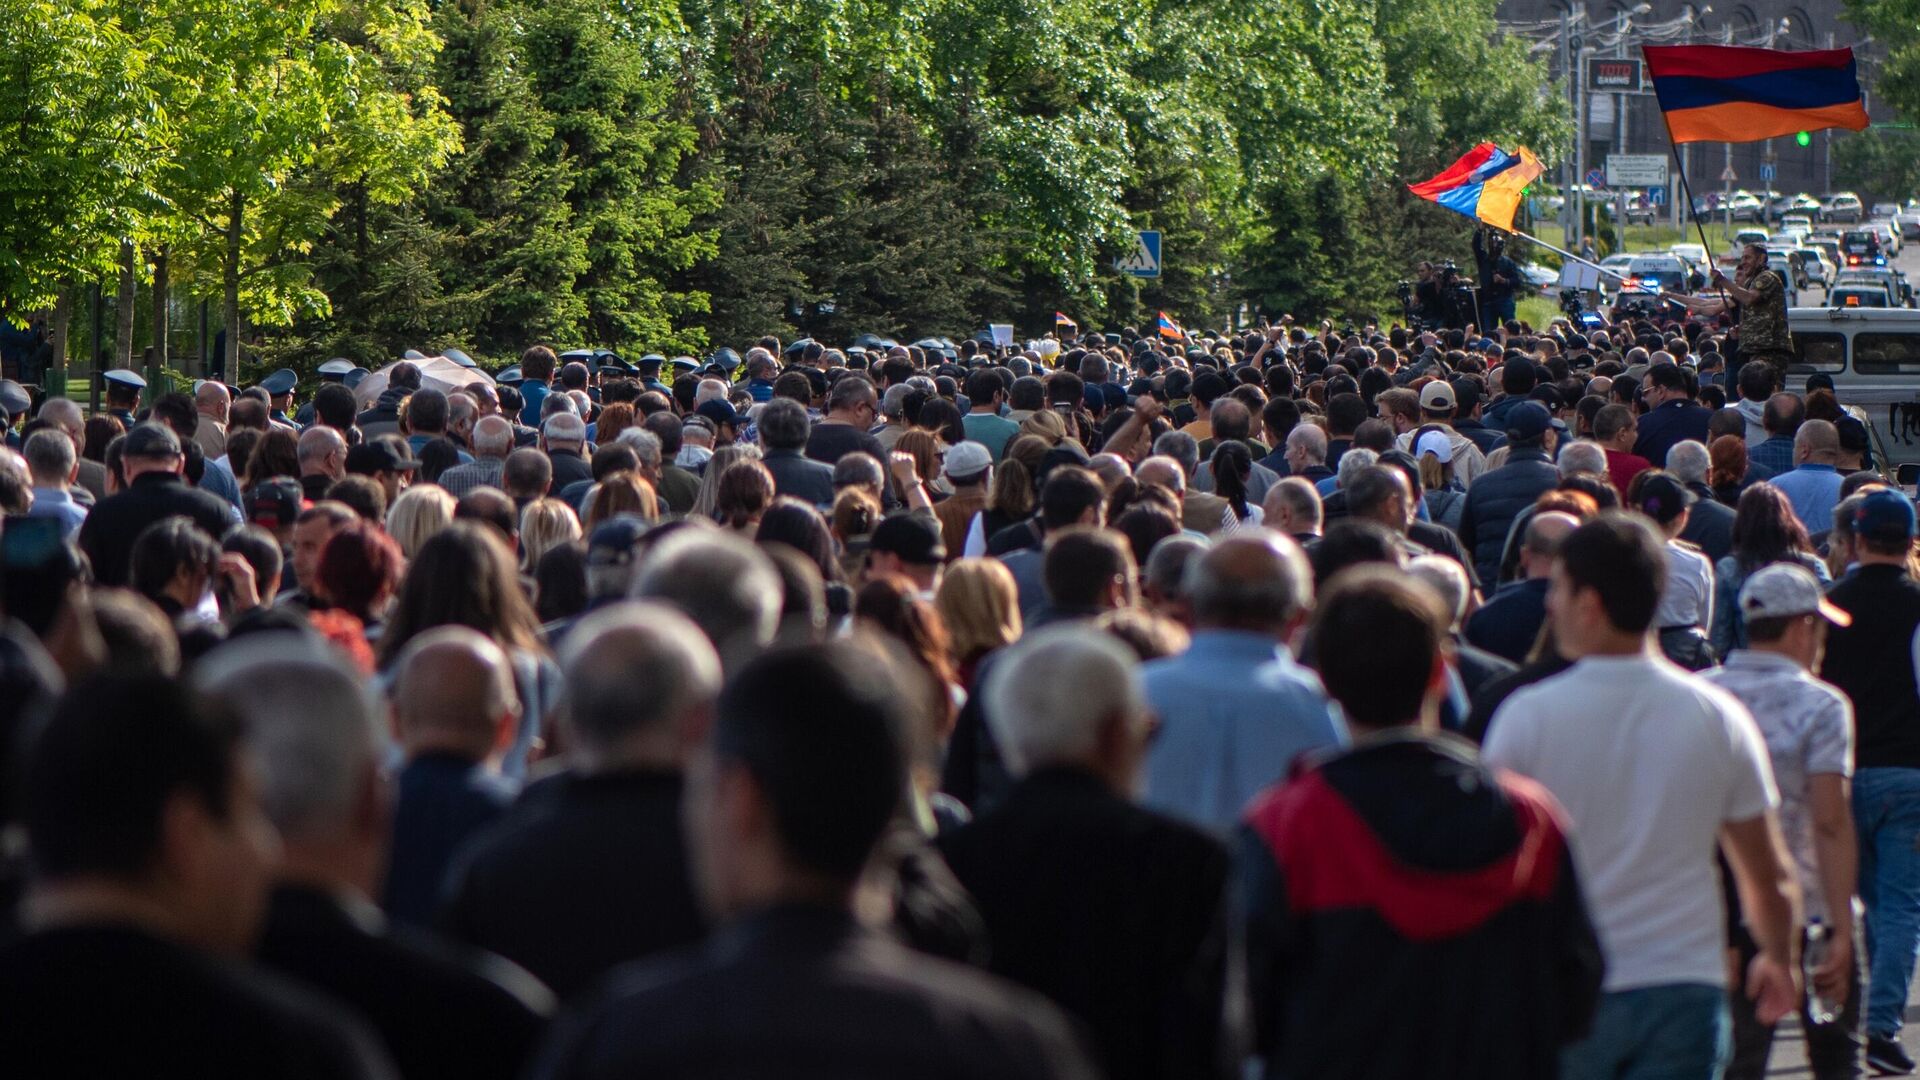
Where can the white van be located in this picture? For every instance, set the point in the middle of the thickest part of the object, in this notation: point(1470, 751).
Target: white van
point(1872, 353)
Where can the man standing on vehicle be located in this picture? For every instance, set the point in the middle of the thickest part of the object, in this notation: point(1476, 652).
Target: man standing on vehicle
point(1759, 297)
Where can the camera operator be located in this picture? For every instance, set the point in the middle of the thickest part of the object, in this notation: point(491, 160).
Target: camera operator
point(1429, 299)
point(1499, 276)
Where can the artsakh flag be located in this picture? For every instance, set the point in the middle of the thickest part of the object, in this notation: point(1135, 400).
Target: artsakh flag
point(1485, 184)
point(1725, 93)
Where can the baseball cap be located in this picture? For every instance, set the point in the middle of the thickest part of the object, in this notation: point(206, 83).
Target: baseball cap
point(383, 454)
point(1528, 422)
point(966, 460)
point(1786, 589)
point(915, 538)
point(1437, 444)
point(151, 440)
point(275, 503)
point(614, 540)
point(1884, 515)
point(1436, 396)
point(718, 411)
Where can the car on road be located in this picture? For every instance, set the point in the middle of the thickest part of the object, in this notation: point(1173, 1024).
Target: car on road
point(1662, 271)
point(1857, 296)
point(1862, 248)
point(1540, 277)
point(1889, 236)
point(1899, 293)
point(1696, 254)
point(1885, 210)
point(1803, 222)
point(1750, 236)
point(1642, 211)
point(1908, 222)
point(1619, 263)
point(1819, 269)
point(1745, 206)
point(1841, 206)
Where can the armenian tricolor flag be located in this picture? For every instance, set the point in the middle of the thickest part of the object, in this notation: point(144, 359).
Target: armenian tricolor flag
point(1060, 319)
point(1169, 328)
point(1723, 93)
point(1485, 184)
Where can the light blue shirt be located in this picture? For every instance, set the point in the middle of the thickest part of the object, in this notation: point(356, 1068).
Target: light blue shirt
point(1235, 711)
point(58, 503)
point(1813, 490)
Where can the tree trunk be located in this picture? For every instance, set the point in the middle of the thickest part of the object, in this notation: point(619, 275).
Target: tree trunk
point(230, 300)
point(160, 313)
point(123, 307)
point(56, 374)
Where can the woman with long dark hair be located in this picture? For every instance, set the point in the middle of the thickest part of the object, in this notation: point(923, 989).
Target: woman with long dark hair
point(1765, 531)
point(1232, 472)
point(465, 576)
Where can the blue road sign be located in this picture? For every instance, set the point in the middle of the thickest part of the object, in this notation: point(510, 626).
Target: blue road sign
point(1767, 172)
point(1596, 178)
point(1144, 262)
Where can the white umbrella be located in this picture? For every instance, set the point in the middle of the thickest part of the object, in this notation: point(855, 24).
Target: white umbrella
point(436, 372)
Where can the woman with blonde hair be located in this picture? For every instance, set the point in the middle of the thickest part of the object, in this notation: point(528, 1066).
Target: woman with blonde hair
point(623, 492)
point(1046, 425)
point(746, 490)
point(419, 513)
point(980, 605)
point(545, 524)
point(723, 458)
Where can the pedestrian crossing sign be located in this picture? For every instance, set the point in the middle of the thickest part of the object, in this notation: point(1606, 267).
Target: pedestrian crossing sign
point(1144, 262)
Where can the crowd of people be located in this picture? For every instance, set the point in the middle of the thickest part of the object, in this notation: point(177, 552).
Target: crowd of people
point(1322, 703)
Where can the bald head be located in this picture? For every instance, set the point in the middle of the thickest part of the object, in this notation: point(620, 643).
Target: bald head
point(1162, 471)
point(1255, 580)
point(493, 437)
point(1545, 533)
point(1309, 442)
point(641, 677)
point(1817, 441)
point(322, 452)
point(454, 694)
point(212, 400)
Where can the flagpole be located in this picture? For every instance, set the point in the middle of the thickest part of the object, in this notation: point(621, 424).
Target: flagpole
point(1565, 254)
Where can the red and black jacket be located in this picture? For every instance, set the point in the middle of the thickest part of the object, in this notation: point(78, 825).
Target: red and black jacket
point(1408, 913)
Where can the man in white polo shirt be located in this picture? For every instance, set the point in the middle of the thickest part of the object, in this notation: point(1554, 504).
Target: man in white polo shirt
point(1655, 768)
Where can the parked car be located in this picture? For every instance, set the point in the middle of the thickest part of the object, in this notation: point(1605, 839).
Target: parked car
point(1750, 236)
point(1797, 221)
point(1641, 211)
point(1908, 222)
point(1663, 271)
point(1885, 210)
point(1841, 206)
point(1746, 206)
point(1540, 277)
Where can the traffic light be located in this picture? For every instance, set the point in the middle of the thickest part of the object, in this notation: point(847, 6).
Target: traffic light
point(1803, 139)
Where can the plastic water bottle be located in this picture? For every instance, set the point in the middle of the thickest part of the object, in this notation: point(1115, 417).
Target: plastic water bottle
point(1820, 1009)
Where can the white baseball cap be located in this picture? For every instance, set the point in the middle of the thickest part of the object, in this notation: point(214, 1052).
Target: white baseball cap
point(1436, 443)
point(1784, 590)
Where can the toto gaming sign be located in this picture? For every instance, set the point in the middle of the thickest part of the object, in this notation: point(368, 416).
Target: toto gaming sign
point(1619, 75)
